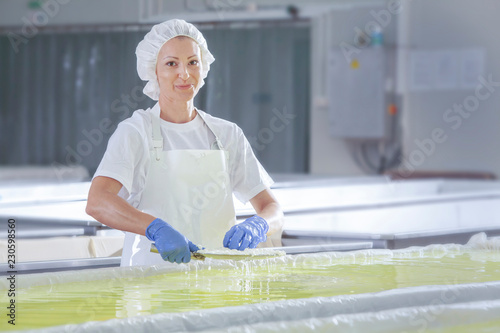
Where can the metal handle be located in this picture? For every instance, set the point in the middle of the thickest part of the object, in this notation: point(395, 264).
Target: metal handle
point(194, 255)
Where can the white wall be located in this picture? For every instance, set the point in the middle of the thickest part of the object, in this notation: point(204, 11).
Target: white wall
point(473, 145)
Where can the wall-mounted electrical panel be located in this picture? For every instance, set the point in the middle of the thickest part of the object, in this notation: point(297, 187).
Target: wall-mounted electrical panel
point(356, 93)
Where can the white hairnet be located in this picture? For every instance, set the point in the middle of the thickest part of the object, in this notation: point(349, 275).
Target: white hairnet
point(148, 49)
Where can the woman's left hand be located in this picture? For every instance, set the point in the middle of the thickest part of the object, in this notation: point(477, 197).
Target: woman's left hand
point(247, 234)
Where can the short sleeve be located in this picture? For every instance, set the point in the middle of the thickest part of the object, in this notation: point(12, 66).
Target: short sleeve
point(248, 176)
point(124, 152)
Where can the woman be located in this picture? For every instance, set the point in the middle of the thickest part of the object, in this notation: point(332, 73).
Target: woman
point(169, 172)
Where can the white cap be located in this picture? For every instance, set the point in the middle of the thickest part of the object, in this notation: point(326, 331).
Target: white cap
point(148, 49)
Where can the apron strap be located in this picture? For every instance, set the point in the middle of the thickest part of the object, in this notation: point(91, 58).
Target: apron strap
point(157, 137)
point(217, 141)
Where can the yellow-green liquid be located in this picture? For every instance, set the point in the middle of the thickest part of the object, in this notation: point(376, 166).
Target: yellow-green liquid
point(204, 287)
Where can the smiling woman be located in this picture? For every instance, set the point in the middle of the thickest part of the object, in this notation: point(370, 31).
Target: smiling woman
point(169, 172)
point(179, 78)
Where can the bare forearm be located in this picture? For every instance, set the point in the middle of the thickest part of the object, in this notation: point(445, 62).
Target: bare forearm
point(267, 207)
point(273, 215)
point(107, 207)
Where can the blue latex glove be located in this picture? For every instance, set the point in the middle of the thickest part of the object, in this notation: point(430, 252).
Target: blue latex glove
point(171, 244)
point(247, 234)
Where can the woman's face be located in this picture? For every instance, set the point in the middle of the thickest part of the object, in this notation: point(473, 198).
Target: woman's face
point(179, 69)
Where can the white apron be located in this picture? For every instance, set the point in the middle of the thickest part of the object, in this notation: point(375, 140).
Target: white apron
point(188, 189)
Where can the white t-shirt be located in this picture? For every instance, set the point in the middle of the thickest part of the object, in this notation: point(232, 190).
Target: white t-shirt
point(127, 156)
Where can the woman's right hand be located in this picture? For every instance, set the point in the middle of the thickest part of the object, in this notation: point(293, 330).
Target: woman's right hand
point(171, 244)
